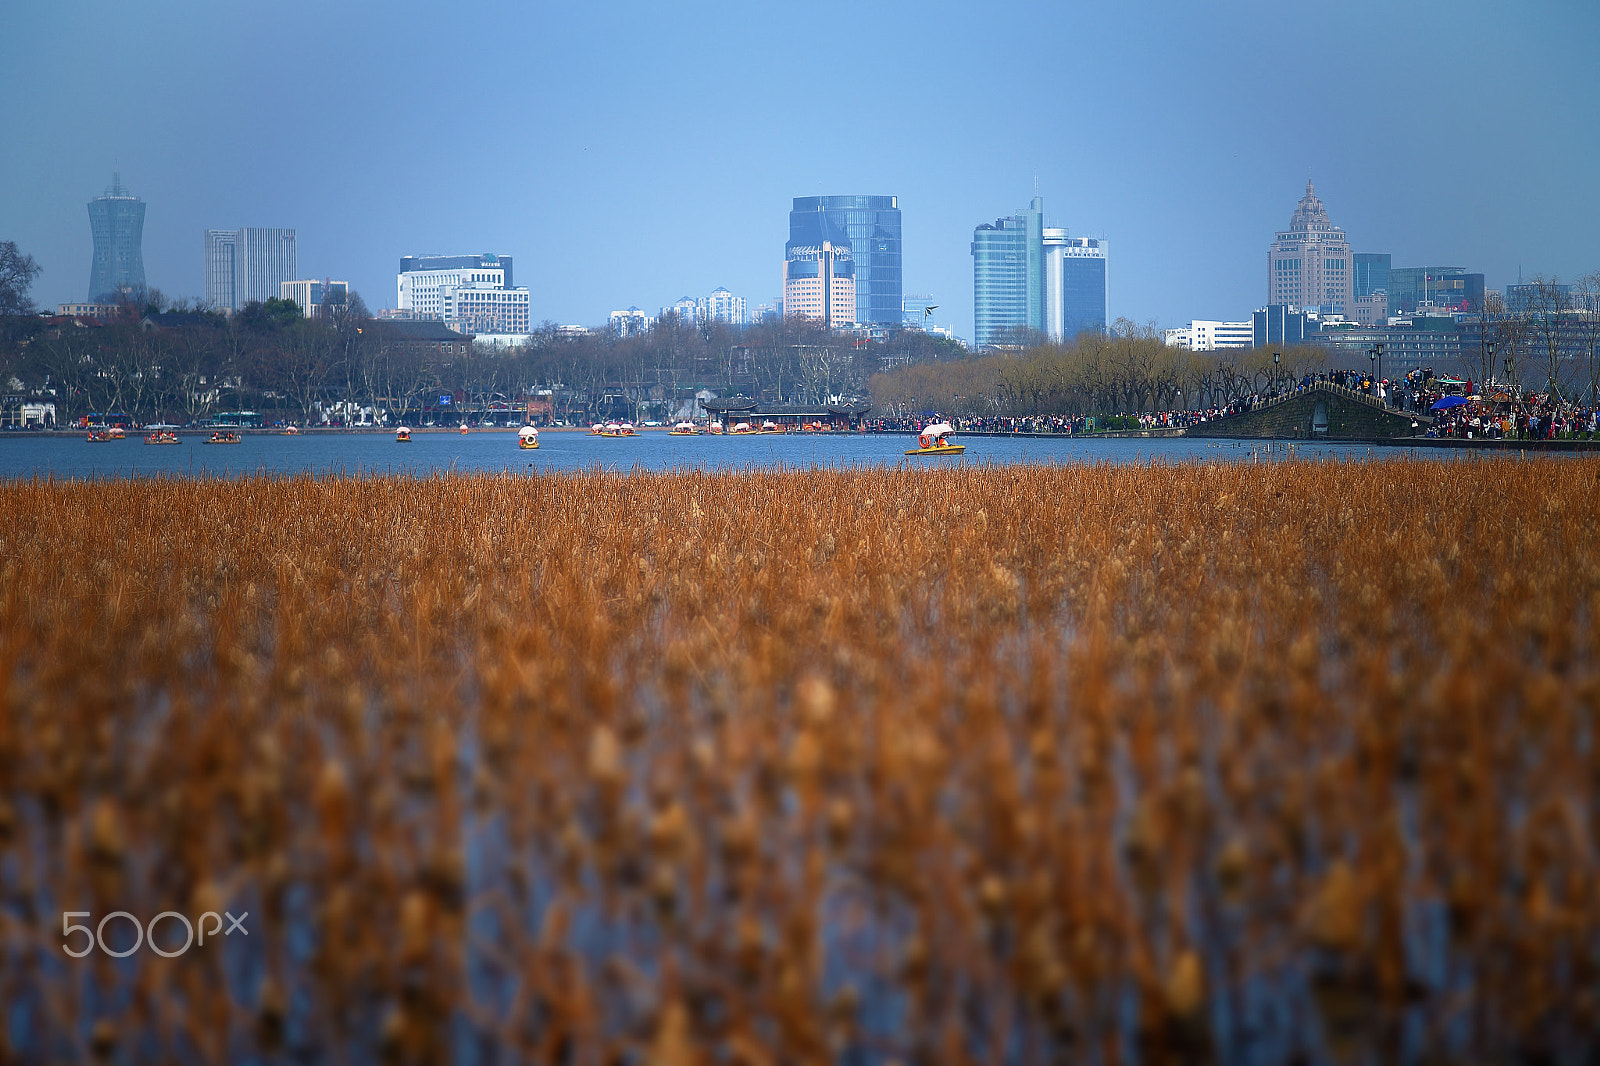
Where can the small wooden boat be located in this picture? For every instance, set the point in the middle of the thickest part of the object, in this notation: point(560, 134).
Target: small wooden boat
point(223, 437)
point(117, 433)
point(935, 440)
point(527, 437)
point(100, 436)
point(291, 430)
point(463, 427)
point(162, 436)
point(683, 429)
point(402, 435)
point(741, 427)
point(597, 430)
point(770, 426)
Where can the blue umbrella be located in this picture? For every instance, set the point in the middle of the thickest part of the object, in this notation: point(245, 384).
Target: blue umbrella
point(1448, 401)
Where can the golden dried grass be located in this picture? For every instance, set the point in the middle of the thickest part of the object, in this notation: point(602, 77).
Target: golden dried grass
point(768, 766)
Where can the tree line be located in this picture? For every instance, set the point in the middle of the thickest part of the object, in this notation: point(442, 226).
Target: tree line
point(161, 360)
point(1128, 369)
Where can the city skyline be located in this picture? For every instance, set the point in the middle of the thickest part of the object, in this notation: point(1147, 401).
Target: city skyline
point(1140, 145)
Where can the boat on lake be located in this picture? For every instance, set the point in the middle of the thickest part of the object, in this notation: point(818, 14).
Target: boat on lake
point(935, 440)
point(224, 436)
point(527, 437)
point(162, 436)
point(683, 429)
point(402, 435)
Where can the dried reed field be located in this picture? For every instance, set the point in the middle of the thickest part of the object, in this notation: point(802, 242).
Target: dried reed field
point(1236, 763)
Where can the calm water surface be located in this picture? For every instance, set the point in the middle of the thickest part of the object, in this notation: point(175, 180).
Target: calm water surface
point(68, 455)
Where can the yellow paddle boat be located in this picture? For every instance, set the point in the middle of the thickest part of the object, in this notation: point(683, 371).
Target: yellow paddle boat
point(683, 429)
point(935, 440)
point(402, 435)
point(527, 437)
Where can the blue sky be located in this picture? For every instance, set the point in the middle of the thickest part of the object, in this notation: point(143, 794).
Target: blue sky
point(634, 153)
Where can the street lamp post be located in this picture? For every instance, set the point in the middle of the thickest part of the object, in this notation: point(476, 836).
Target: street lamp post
point(1276, 380)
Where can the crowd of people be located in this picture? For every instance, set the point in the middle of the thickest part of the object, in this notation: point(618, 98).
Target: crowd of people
point(1494, 413)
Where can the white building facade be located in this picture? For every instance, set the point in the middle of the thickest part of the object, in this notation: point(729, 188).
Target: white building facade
point(721, 306)
point(469, 293)
point(249, 264)
point(631, 322)
point(1206, 335)
point(310, 293)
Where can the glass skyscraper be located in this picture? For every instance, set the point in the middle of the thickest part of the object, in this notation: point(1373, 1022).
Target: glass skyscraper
point(1074, 285)
point(1008, 282)
point(117, 222)
point(871, 226)
point(1371, 273)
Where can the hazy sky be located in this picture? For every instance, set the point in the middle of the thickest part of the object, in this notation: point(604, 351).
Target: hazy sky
point(634, 153)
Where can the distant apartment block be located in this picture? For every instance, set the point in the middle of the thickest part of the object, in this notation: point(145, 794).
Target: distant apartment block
point(1206, 335)
point(1310, 264)
point(470, 293)
point(311, 294)
point(631, 323)
point(722, 306)
point(249, 264)
point(116, 222)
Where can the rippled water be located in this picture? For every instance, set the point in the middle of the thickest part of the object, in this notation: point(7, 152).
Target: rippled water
point(69, 455)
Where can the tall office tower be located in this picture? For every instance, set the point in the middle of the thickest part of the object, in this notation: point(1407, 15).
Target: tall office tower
point(248, 264)
point(1008, 277)
point(1310, 264)
point(220, 246)
point(1074, 285)
point(471, 293)
point(819, 270)
point(116, 220)
point(871, 226)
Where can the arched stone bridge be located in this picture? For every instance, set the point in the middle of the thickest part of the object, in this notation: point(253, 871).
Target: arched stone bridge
point(1322, 411)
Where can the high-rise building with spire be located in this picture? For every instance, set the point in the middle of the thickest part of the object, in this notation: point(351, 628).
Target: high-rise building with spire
point(1310, 265)
point(116, 220)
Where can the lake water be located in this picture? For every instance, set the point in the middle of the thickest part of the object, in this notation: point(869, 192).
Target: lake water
point(68, 455)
